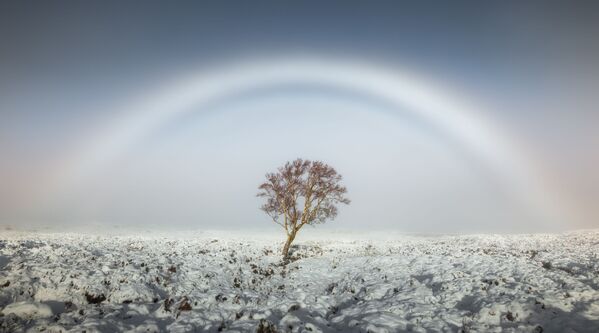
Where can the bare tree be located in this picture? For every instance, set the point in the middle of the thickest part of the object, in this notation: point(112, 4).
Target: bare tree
point(302, 192)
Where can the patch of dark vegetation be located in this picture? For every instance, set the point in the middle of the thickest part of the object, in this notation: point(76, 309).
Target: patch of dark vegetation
point(184, 305)
point(167, 304)
point(94, 299)
point(532, 253)
point(69, 306)
point(237, 299)
point(265, 272)
point(490, 282)
point(510, 316)
point(331, 288)
point(489, 251)
point(5, 284)
point(298, 252)
point(265, 326)
point(172, 269)
point(237, 282)
point(547, 265)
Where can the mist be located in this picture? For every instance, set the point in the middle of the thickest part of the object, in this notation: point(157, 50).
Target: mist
point(69, 77)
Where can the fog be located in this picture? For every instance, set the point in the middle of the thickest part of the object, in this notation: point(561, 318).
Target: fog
point(70, 78)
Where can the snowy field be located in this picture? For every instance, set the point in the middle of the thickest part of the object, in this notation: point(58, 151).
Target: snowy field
point(335, 282)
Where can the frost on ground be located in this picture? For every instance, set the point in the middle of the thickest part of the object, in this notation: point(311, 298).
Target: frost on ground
point(214, 282)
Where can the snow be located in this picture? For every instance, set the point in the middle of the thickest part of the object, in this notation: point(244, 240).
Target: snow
point(335, 282)
point(28, 310)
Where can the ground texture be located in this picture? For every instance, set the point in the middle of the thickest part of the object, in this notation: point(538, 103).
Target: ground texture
point(217, 282)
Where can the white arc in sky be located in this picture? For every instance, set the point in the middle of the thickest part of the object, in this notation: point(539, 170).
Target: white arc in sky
point(408, 92)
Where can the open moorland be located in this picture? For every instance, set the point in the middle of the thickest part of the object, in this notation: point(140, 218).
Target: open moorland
point(333, 282)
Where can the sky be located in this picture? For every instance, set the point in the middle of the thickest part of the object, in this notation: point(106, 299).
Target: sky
point(442, 117)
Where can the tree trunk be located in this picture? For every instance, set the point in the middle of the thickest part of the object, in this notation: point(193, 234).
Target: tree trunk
point(290, 239)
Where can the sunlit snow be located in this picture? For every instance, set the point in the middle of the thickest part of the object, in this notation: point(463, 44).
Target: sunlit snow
point(349, 282)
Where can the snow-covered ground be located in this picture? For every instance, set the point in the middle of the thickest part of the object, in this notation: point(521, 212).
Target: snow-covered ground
point(211, 281)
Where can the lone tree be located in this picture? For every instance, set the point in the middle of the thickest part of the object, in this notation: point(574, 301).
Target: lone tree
point(302, 192)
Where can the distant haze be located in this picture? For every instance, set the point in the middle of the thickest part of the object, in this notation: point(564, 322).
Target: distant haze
point(69, 74)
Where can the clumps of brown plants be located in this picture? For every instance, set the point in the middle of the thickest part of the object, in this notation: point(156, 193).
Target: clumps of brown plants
point(265, 326)
point(94, 299)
